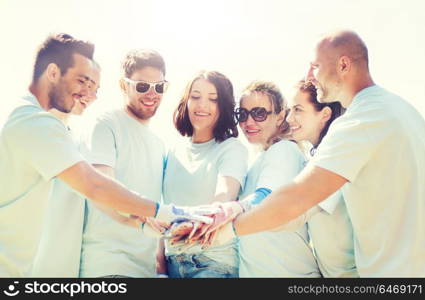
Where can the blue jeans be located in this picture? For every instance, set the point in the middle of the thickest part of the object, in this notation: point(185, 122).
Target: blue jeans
point(198, 266)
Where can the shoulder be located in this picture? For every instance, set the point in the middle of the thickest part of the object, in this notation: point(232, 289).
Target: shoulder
point(30, 118)
point(110, 117)
point(285, 148)
point(231, 143)
point(373, 104)
point(232, 148)
point(110, 121)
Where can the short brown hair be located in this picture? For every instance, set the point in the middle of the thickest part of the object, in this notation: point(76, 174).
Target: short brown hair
point(225, 126)
point(137, 59)
point(59, 49)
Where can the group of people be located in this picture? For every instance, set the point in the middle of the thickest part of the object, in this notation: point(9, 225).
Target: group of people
point(333, 185)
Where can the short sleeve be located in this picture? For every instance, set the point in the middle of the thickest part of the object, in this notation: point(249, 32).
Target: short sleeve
point(45, 143)
point(281, 163)
point(233, 160)
point(330, 203)
point(352, 140)
point(100, 144)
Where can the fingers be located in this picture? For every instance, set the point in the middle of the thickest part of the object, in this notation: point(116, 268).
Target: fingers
point(183, 229)
point(219, 221)
point(212, 238)
point(179, 231)
point(204, 240)
point(199, 224)
point(196, 225)
point(176, 239)
point(204, 228)
point(199, 218)
point(156, 225)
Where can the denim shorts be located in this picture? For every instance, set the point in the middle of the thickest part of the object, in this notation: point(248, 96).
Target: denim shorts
point(198, 266)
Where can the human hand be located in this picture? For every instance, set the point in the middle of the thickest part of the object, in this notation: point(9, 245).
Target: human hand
point(154, 228)
point(227, 211)
point(179, 230)
point(222, 235)
point(170, 212)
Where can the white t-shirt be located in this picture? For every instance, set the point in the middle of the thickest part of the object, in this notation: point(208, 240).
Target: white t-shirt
point(331, 234)
point(276, 254)
point(59, 250)
point(35, 146)
point(191, 179)
point(378, 145)
point(137, 157)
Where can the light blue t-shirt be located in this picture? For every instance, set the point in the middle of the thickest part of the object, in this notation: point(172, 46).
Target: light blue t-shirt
point(331, 234)
point(35, 146)
point(378, 145)
point(137, 157)
point(191, 178)
point(276, 254)
point(59, 250)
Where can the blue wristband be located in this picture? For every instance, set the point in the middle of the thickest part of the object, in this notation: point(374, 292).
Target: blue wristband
point(260, 194)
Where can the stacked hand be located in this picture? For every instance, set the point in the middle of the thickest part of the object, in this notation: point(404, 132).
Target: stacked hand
point(169, 212)
point(189, 232)
point(168, 215)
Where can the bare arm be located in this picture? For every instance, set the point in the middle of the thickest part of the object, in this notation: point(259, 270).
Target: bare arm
point(227, 189)
point(311, 186)
point(106, 191)
point(128, 221)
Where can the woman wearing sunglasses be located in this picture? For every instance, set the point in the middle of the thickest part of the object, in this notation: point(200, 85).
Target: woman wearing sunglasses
point(207, 166)
point(330, 228)
point(261, 117)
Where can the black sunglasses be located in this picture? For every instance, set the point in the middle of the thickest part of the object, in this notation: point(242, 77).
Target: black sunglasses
point(144, 86)
point(259, 114)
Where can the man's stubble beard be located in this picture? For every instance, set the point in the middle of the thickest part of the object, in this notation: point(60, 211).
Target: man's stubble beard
point(57, 98)
point(139, 114)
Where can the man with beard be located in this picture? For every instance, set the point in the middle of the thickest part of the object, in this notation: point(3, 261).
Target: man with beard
point(35, 146)
point(59, 250)
point(122, 146)
point(375, 152)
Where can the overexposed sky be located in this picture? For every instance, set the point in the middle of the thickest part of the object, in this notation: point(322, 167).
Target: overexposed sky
point(245, 40)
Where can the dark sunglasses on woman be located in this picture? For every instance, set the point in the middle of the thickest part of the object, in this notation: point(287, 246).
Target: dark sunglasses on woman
point(259, 114)
point(144, 86)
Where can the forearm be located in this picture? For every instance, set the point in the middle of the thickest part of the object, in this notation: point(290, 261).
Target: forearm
point(277, 209)
point(111, 193)
point(312, 185)
point(227, 189)
point(224, 197)
point(116, 216)
point(106, 191)
point(299, 221)
point(126, 220)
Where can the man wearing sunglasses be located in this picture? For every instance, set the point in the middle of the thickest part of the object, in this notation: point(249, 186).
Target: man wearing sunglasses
point(122, 146)
point(35, 147)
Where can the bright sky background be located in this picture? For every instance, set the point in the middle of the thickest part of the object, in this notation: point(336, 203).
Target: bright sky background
point(245, 40)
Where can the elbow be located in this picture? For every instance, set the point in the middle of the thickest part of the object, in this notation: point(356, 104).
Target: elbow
point(92, 187)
